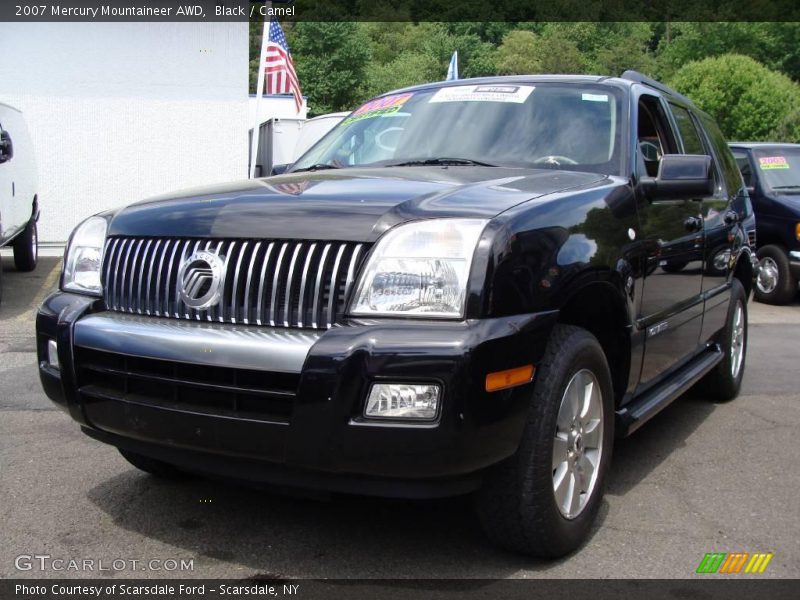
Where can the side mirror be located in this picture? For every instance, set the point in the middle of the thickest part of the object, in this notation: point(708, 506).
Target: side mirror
point(680, 177)
point(6, 147)
point(279, 169)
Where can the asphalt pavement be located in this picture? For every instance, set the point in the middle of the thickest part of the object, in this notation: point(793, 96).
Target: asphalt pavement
point(700, 477)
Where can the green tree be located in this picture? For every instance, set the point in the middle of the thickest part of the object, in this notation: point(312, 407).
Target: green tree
point(408, 54)
point(331, 60)
point(524, 52)
point(748, 100)
point(341, 64)
point(409, 68)
point(776, 45)
point(492, 32)
point(583, 47)
point(517, 54)
point(618, 47)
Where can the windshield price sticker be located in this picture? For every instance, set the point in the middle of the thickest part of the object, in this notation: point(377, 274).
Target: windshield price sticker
point(767, 163)
point(594, 97)
point(484, 93)
point(379, 107)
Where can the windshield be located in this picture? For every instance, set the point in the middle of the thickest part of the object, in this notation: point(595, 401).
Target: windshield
point(547, 125)
point(779, 167)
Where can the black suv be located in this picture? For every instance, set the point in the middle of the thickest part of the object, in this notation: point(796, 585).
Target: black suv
point(772, 175)
point(461, 288)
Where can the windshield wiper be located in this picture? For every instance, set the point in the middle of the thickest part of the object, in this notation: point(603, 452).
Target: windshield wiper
point(317, 167)
point(441, 161)
point(786, 187)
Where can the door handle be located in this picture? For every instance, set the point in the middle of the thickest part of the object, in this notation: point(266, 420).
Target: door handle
point(693, 224)
point(731, 217)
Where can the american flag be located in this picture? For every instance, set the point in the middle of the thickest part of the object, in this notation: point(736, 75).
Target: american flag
point(281, 77)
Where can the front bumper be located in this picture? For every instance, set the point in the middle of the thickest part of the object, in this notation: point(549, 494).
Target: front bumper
point(285, 406)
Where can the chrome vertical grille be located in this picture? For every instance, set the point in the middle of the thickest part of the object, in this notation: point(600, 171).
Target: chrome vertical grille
point(276, 283)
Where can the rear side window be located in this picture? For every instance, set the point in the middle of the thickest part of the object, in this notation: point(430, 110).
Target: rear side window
point(743, 162)
point(692, 143)
point(727, 164)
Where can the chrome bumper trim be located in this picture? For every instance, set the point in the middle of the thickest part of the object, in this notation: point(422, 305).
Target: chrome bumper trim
point(794, 254)
point(213, 344)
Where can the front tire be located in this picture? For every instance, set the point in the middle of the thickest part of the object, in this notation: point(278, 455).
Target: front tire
point(26, 248)
point(543, 500)
point(775, 283)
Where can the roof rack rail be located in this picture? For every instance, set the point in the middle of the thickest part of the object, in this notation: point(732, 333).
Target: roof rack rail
point(637, 77)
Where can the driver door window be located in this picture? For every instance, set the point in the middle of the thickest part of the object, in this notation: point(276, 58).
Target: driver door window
point(652, 137)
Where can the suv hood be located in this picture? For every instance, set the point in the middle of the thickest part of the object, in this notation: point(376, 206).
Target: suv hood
point(346, 204)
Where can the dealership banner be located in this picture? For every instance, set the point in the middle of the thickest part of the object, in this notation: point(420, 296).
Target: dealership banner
point(391, 589)
point(398, 10)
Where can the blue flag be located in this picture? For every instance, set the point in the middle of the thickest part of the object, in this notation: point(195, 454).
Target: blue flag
point(452, 70)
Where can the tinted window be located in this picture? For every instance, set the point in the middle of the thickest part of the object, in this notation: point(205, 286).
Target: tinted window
point(692, 144)
point(779, 167)
point(651, 133)
point(730, 171)
point(546, 125)
point(743, 162)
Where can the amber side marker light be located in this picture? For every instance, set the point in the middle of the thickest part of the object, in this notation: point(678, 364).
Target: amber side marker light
point(501, 380)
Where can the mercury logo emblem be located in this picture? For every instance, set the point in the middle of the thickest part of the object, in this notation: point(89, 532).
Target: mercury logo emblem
point(201, 279)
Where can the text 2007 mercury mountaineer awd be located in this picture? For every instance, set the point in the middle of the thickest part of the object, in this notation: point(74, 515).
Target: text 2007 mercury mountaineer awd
point(465, 287)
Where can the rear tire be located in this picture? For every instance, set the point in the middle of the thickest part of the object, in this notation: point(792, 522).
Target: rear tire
point(775, 283)
point(153, 466)
point(26, 248)
point(725, 380)
point(523, 505)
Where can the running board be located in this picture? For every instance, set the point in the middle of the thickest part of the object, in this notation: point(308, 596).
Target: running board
point(643, 408)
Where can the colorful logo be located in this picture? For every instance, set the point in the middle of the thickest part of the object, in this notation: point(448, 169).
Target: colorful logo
point(734, 562)
point(379, 107)
point(767, 163)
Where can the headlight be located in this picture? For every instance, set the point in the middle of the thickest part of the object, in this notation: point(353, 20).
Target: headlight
point(84, 257)
point(420, 268)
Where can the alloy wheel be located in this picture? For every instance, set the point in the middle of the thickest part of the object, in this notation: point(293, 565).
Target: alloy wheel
point(578, 443)
point(737, 340)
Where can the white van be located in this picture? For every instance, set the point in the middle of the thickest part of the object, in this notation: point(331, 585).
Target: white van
point(314, 130)
point(19, 205)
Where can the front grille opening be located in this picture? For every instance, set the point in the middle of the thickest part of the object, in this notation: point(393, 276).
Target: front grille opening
point(238, 393)
point(140, 275)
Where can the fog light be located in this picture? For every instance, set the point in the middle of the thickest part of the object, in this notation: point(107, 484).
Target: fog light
point(403, 401)
point(52, 355)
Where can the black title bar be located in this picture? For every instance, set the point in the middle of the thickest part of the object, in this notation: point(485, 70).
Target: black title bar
point(398, 10)
point(732, 588)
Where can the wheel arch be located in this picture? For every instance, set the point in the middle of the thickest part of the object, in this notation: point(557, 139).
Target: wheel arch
point(743, 270)
point(601, 308)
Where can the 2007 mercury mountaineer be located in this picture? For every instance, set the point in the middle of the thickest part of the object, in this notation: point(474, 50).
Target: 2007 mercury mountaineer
point(465, 286)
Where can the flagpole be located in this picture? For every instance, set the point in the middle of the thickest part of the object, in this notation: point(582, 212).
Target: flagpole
point(260, 89)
